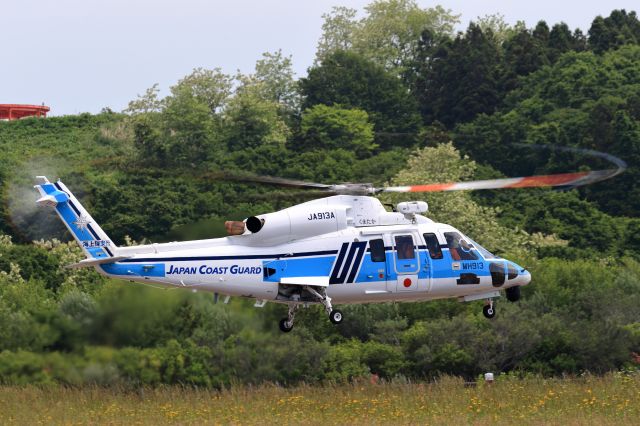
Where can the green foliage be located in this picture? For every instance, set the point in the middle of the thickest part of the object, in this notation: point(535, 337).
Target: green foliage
point(329, 127)
point(582, 100)
point(209, 87)
point(147, 103)
point(617, 29)
point(387, 35)
point(495, 25)
point(251, 120)
point(275, 72)
point(576, 316)
point(344, 362)
point(457, 79)
point(351, 81)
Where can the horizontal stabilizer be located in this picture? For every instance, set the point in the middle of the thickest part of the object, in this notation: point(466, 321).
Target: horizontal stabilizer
point(95, 262)
point(312, 281)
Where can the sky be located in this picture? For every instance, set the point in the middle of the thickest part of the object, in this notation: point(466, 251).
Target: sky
point(83, 55)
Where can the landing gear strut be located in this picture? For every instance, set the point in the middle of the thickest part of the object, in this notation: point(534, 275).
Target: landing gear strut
point(286, 324)
point(335, 316)
point(489, 310)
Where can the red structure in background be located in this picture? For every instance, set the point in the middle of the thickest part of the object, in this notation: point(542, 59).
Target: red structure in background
point(15, 111)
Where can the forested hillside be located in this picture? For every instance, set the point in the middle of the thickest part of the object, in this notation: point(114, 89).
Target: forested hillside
point(393, 97)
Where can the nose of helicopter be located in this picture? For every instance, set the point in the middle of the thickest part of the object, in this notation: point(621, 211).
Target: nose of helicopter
point(524, 276)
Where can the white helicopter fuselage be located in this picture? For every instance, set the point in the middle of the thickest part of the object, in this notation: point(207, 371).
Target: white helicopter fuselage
point(228, 266)
point(344, 248)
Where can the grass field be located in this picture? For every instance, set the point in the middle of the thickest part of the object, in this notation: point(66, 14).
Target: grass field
point(614, 399)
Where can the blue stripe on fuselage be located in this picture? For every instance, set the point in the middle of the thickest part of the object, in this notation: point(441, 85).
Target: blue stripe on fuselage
point(308, 264)
point(146, 270)
point(440, 268)
point(310, 267)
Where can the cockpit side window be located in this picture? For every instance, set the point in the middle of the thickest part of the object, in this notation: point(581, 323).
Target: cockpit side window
point(459, 248)
point(435, 251)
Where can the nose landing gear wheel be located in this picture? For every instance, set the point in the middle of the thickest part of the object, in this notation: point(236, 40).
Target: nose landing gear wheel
point(335, 316)
point(285, 325)
point(489, 311)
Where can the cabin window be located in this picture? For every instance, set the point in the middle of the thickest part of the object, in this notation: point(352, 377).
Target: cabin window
point(377, 250)
point(459, 248)
point(404, 247)
point(435, 251)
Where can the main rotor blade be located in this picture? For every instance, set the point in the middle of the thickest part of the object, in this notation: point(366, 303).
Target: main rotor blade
point(561, 180)
point(290, 183)
point(566, 180)
point(295, 195)
point(584, 151)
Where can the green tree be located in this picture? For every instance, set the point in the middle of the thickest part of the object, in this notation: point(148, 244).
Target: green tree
point(349, 80)
point(459, 79)
point(181, 128)
point(583, 100)
point(275, 72)
point(561, 40)
point(388, 33)
point(188, 127)
point(523, 54)
point(337, 32)
point(495, 25)
point(250, 120)
point(147, 103)
point(210, 87)
point(330, 127)
point(618, 29)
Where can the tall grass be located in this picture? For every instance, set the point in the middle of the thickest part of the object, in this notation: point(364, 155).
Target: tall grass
point(613, 399)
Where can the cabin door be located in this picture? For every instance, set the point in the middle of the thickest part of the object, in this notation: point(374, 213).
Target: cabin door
point(405, 264)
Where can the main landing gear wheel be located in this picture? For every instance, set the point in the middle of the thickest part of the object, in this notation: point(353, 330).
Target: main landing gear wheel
point(489, 311)
point(336, 316)
point(285, 325)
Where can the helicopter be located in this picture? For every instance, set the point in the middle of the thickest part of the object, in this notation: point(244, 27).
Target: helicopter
point(340, 249)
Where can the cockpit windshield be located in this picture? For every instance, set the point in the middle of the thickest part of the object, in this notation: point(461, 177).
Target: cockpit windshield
point(483, 251)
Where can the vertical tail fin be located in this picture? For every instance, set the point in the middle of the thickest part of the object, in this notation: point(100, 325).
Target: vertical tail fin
point(91, 238)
